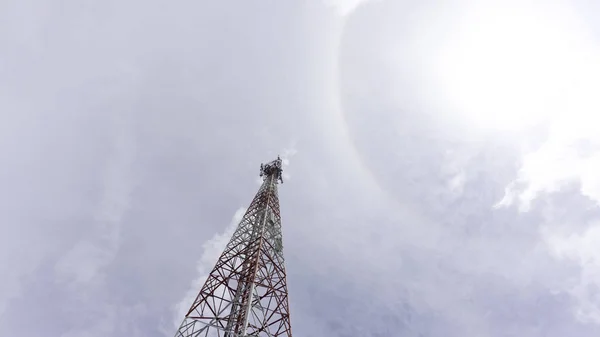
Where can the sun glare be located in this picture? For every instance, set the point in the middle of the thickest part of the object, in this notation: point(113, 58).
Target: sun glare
point(509, 68)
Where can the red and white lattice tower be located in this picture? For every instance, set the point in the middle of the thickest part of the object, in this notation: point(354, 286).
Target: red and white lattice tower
point(246, 292)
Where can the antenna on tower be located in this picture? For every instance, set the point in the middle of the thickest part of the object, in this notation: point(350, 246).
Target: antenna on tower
point(273, 168)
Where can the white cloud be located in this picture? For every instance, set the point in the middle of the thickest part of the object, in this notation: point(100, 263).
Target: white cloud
point(453, 171)
point(572, 151)
point(570, 156)
point(11, 286)
point(583, 249)
point(560, 161)
point(286, 155)
point(345, 7)
point(81, 269)
point(211, 250)
point(82, 264)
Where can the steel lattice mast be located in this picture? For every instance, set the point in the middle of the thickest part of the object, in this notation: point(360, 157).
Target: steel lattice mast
point(246, 292)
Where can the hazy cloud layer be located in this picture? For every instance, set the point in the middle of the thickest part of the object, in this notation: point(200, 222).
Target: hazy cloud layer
point(131, 133)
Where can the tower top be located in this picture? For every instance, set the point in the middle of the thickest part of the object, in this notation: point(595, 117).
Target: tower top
point(272, 168)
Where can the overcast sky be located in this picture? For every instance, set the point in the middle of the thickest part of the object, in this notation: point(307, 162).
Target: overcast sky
point(442, 162)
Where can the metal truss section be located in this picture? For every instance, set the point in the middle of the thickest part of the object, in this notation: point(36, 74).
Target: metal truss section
point(245, 294)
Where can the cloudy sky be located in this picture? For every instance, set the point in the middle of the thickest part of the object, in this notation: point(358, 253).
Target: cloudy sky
point(442, 175)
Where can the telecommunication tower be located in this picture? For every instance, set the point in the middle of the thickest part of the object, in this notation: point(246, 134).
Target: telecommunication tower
point(245, 294)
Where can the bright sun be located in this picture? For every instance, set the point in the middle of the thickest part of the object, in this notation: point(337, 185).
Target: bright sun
point(509, 68)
